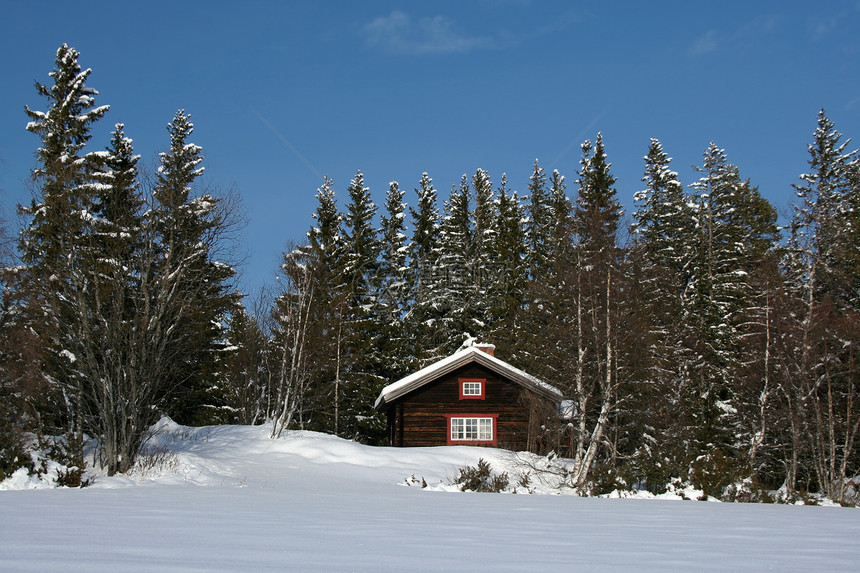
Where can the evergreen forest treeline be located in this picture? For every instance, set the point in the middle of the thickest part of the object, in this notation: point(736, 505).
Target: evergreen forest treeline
point(702, 344)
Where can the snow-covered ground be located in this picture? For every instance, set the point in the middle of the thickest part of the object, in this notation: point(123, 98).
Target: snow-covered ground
point(228, 498)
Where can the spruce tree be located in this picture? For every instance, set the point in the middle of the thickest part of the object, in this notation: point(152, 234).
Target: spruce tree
point(560, 214)
point(393, 288)
point(510, 281)
point(823, 223)
point(597, 306)
point(245, 374)
point(360, 246)
point(548, 295)
point(597, 210)
point(54, 244)
point(736, 227)
point(484, 267)
point(117, 250)
point(325, 236)
point(484, 217)
point(663, 215)
point(452, 281)
point(819, 379)
point(64, 178)
point(308, 324)
point(422, 263)
point(538, 227)
point(186, 229)
point(361, 360)
point(119, 202)
point(664, 237)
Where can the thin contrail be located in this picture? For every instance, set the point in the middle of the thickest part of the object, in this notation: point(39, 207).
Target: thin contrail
point(577, 139)
point(287, 143)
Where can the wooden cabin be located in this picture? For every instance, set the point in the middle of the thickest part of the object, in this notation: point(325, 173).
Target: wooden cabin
point(469, 398)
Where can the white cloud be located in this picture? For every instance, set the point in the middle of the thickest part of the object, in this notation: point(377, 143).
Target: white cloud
point(397, 32)
point(705, 44)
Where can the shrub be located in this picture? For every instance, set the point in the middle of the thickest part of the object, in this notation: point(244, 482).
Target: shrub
point(13, 454)
point(68, 452)
point(713, 472)
point(604, 478)
point(748, 490)
point(481, 478)
point(152, 460)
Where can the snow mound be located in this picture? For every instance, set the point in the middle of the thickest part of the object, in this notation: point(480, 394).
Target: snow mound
point(246, 456)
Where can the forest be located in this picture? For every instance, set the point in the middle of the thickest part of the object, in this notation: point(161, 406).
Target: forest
point(704, 343)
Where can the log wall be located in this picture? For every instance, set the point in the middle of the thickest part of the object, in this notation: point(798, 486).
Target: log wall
point(419, 418)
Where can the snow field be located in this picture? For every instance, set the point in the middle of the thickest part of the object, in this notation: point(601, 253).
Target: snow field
point(228, 498)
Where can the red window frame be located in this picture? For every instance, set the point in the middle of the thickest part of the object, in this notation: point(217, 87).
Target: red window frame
point(482, 381)
point(493, 442)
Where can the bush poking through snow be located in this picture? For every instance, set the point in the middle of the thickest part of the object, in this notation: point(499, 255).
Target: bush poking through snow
point(748, 490)
point(412, 480)
point(47, 462)
point(605, 479)
point(68, 454)
point(851, 492)
point(713, 472)
point(154, 459)
point(481, 478)
point(13, 454)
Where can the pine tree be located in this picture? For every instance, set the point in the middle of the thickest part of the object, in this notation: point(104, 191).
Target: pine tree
point(548, 295)
point(597, 210)
point(53, 246)
point(423, 251)
point(665, 235)
point(308, 319)
point(663, 217)
point(395, 345)
point(362, 361)
point(483, 264)
point(245, 374)
point(595, 222)
point(736, 228)
point(538, 227)
point(819, 380)
point(510, 281)
point(186, 230)
point(561, 214)
point(452, 282)
point(119, 203)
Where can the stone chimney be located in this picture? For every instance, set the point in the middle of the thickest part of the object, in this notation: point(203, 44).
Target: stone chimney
point(488, 348)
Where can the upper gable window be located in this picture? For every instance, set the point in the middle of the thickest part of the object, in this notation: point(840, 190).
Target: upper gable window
point(472, 388)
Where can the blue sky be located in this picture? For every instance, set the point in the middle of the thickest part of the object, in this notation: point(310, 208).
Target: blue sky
point(283, 92)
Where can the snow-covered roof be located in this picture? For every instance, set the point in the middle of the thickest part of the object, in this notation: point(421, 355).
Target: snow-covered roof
point(456, 360)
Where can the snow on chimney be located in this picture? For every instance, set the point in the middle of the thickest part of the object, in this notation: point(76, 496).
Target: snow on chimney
point(488, 348)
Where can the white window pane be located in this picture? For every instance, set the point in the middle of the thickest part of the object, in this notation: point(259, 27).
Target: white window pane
point(472, 429)
point(471, 388)
point(486, 429)
point(456, 428)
